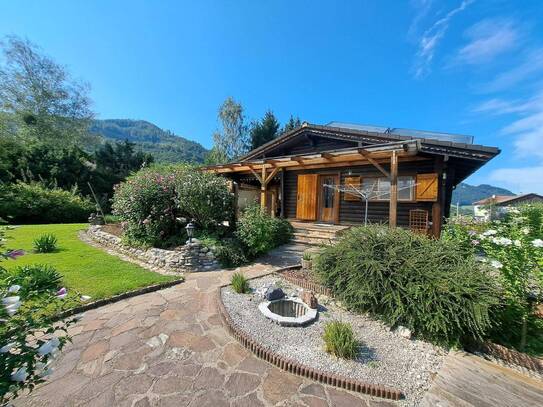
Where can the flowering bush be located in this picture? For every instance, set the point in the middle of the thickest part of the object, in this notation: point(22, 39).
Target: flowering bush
point(150, 202)
point(513, 247)
point(29, 336)
point(146, 203)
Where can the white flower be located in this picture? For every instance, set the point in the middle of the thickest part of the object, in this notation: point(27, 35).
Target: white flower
point(502, 241)
point(517, 243)
point(12, 308)
point(49, 346)
point(537, 243)
point(85, 297)
point(490, 232)
point(7, 348)
point(14, 289)
point(20, 375)
point(10, 300)
point(496, 264)
point(525, 230)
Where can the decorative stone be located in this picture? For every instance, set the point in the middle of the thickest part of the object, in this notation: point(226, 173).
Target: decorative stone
point(404, 332)
point(308, 297)
point(274, 293)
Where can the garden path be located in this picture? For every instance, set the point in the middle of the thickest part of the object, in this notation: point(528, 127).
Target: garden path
point(466, 380)
point(169, 348)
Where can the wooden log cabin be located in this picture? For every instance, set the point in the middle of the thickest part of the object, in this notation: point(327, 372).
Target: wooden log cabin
point(312, 173)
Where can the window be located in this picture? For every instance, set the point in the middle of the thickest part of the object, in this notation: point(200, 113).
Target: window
point(378, 189)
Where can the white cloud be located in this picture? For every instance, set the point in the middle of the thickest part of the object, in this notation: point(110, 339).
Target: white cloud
point(523, 180)
point(488, 39)
point(430, 40)
point(531, 66)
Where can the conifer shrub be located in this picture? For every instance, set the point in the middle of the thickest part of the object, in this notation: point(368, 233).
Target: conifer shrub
point(430, 286)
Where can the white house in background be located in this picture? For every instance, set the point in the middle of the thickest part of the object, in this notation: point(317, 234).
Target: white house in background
point(496, 205)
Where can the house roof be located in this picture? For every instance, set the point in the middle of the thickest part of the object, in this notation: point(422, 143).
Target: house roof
point(429, 145)
point(507, 199)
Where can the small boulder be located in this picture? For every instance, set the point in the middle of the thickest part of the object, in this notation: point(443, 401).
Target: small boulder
point(274, 293)
point(308, 297)
point(404, 332)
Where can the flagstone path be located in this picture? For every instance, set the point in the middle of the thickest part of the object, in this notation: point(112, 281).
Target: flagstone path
point(168, 348)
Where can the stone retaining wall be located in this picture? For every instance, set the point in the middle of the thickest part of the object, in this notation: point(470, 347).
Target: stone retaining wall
point(188, 258)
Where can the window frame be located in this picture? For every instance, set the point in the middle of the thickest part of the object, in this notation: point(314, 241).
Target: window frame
point(413, 187)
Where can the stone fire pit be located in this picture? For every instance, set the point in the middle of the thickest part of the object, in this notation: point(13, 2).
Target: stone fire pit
point(288, 312)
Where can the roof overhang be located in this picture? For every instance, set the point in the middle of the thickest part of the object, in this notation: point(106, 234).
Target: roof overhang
point(372, 154)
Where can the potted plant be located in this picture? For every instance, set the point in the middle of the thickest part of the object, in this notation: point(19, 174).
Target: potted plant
point(307, 262)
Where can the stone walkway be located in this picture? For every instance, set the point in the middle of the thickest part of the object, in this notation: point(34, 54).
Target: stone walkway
point(168, 348)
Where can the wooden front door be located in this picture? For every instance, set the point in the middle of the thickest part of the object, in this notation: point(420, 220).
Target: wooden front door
point(306, 201)
point(328, 198)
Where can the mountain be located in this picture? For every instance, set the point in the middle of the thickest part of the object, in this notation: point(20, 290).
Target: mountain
point(466, 194)
point(165, 146)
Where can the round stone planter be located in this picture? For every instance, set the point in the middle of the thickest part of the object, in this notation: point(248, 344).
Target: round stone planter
point(288, 312)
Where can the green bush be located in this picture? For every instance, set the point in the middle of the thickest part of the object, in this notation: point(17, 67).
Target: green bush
point(34, 279)
point(150, 201)
point(438, 291)
point(230, 252)
point(46, 243)
point(35, 203)
point(240, 284)
point(339, 340)
point(260, 232)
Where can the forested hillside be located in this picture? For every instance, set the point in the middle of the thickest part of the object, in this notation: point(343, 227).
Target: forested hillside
point(165, 146)
point(466, 194)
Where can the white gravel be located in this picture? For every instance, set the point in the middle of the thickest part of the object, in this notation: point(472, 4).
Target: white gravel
point(385, 358)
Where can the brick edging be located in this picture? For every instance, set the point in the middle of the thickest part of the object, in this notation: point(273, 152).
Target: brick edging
point(308, 285)
point(509, 356)
point(297, 368)
point(118, 297)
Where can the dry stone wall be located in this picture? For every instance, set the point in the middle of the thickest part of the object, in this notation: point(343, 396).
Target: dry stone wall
point(188, 258)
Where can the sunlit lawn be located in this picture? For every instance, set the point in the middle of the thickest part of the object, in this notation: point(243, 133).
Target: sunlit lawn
point(86, 269)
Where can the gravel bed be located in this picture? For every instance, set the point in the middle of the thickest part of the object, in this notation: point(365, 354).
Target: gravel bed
point(385, 357)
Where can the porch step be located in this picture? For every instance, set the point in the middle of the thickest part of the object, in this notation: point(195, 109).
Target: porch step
point(316, 233)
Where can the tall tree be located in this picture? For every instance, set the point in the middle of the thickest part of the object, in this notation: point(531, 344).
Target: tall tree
point(264, 130)
point(292, 124)
point(38, 98)
point(232, 141)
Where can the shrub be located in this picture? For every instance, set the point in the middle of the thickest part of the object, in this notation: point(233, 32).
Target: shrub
point(240, 284)
point(203, 197)
point(339, 340)
point(260, 232)
point(46, 243)
point(150, 201)
point(33, 279)
point(229, 251)
point(146, 203)
point(35, 203)
point(438, 291)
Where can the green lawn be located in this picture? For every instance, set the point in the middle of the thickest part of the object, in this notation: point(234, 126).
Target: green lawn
point(86, 269)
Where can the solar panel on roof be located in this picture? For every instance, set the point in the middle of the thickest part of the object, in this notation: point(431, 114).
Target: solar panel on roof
point(422, 134)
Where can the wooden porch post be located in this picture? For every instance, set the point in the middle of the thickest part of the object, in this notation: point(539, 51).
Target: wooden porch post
point(437, 206)
point(393, 207)
point(263, 189)
point(236, 201)
point(282, 193)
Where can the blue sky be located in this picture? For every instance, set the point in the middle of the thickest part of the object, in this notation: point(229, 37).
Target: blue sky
point(469, 67)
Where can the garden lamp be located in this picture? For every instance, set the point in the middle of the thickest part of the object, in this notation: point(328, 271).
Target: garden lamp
point(190, 230)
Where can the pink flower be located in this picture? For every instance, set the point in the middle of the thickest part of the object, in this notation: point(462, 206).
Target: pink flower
point(15, 253)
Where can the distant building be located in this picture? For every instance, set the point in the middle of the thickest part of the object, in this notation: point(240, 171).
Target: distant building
point(496, 205)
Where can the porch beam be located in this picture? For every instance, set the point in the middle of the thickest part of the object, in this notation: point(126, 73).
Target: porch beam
point(327, 156)
point(393, 206)
point(263, 189)
point(256, 174)
point(366, 155)
point(272, 174)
